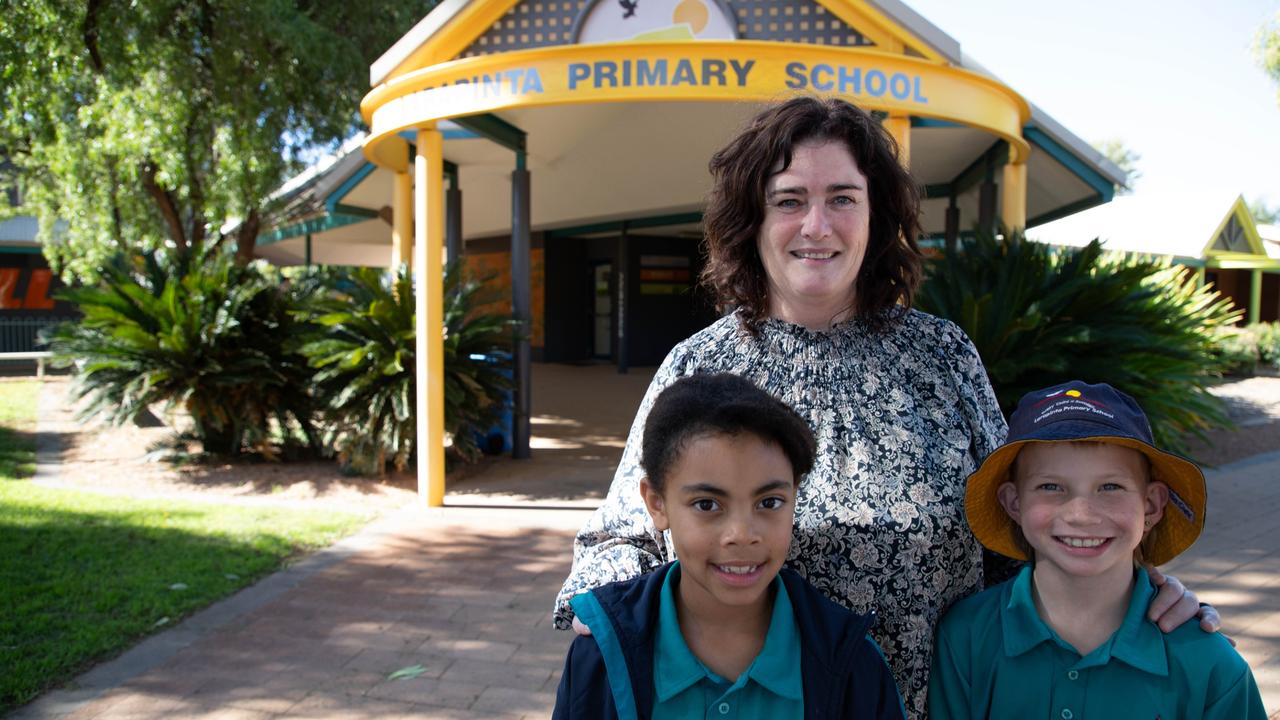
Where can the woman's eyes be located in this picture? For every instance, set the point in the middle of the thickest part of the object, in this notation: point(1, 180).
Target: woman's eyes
point(795, 203)
point(705, 505)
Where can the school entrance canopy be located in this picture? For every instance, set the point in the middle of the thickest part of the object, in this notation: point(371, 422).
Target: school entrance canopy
point(592, 121)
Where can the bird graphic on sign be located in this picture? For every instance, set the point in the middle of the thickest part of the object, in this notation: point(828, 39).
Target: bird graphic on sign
point(629, 6)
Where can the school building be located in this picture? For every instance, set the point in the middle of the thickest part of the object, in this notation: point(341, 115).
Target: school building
point(562, 146)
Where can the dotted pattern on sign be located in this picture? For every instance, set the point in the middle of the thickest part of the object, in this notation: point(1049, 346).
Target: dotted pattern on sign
point(527, 25)
point(542, 23)
point(799, 21)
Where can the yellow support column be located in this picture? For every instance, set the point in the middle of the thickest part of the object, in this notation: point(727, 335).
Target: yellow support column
point(428, 270)
point(1013, 197)
point(402, 220)
point(899, 126)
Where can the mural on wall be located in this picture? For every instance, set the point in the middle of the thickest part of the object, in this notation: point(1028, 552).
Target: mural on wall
point(496, 267)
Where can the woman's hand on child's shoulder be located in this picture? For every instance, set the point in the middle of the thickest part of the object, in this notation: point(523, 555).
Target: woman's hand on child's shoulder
point(1175, 604)
point(582, 629)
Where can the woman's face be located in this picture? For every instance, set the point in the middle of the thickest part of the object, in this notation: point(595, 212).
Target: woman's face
point(817, 221)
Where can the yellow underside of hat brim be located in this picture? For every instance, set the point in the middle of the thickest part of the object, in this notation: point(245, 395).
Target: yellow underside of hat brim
point(1173, 534)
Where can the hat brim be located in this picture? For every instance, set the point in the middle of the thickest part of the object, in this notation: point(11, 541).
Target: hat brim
point(1181, 525)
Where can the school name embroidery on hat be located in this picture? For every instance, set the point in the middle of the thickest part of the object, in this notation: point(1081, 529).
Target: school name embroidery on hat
point(1068, 401)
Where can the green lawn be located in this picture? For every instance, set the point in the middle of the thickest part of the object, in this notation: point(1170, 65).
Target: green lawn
point(83, 576)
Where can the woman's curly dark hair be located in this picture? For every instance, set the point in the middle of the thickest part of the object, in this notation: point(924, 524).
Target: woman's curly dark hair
point(891, 268)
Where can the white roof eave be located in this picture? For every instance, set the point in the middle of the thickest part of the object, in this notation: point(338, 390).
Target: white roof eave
point(931, 34)
point(414, 39)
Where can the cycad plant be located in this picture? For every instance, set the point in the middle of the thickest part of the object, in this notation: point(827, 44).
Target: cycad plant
point(196, 331)
point(1041, 315)
point(364, 365)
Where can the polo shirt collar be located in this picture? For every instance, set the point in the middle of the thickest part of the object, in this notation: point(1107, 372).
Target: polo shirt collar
point(1139, 642)
point(776, 668)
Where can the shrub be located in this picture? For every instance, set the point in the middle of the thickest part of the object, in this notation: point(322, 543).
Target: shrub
point(364, 366)
point(196, 331)
point(1267, 336)
point(1040, 315)
point(1237, 351)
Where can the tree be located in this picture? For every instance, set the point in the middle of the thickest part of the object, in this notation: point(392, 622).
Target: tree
point(1263, 213)
point(168, 123)
point(1124, 158)
point(1266, 48)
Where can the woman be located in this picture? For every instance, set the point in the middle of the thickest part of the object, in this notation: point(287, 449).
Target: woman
point(810, 231)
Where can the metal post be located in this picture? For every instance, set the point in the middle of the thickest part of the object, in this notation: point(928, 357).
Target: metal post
point(453, 221)
point(624, 267)
point(308, 251)
point(521, 307)
point(953, 226)
point(987, 201)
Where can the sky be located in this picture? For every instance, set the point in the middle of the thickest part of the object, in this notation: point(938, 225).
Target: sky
point(1176, 81)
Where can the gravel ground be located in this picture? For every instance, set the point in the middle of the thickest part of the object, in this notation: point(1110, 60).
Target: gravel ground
point(1253, 404)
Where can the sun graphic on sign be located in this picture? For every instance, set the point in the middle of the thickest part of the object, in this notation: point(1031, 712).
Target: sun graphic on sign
point(657, 21)
point(1073, 393)
point(693, 13)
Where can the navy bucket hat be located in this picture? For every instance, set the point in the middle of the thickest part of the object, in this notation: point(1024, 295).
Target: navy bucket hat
point(1078, 411)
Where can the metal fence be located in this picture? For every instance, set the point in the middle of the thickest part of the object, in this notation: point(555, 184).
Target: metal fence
point(22, 334)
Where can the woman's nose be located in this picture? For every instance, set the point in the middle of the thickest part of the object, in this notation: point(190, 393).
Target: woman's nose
point(816, 225)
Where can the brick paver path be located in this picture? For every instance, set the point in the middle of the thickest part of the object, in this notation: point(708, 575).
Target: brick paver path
point(460, 596)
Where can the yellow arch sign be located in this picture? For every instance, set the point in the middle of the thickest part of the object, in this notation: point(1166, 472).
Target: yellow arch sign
point(705, 70)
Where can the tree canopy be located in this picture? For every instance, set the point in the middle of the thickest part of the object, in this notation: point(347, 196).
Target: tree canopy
point(1266, 48)
point(1124, 158)
point(1264, 213)
point(156, 124)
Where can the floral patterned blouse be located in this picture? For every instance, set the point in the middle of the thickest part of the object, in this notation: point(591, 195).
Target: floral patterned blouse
point(901, 415)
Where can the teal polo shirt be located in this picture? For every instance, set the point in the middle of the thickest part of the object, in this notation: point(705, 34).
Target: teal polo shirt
point(770, 689)
point(995, 658)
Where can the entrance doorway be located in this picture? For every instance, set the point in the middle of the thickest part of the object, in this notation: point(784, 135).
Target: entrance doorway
point(601, 304)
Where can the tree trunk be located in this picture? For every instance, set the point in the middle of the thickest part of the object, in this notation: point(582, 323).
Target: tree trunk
point(247, 236)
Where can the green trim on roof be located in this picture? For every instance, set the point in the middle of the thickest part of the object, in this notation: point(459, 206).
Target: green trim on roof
point(923, 122)
point(937, 190)
point(1065, 210)
point(314, 225)
point(355, 210)
point(494, 128)
point(21, 250)
point(632, 224)
point(336, 197)
point(1067, 159)
point(996, 155)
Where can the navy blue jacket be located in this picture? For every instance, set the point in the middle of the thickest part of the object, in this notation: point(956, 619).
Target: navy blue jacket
point(845, 676)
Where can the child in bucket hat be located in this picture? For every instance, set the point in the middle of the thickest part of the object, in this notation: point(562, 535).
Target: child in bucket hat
point(1080, 490)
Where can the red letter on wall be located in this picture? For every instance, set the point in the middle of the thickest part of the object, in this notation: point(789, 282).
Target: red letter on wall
point(38, 291)
point(8, 282)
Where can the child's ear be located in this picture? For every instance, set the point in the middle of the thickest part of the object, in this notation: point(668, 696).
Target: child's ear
point(654, 502)
point(1007, 494)
point(1157, 496)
